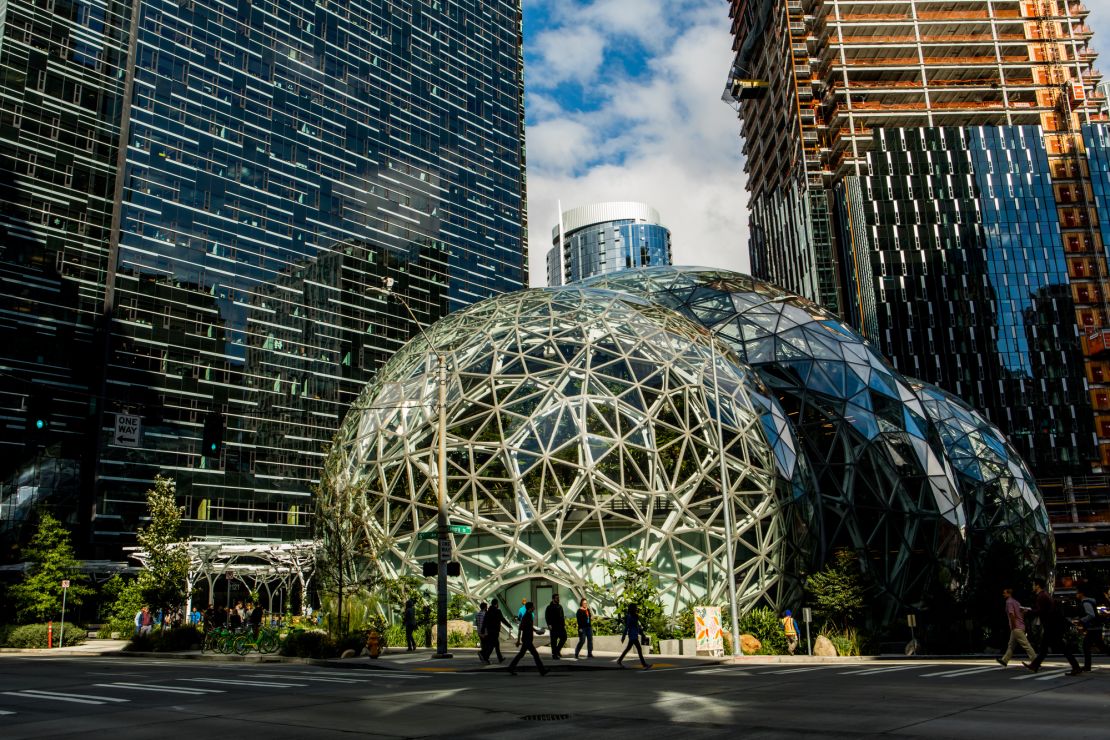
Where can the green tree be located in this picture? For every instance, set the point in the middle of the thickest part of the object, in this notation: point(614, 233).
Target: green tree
point(347, 552)
point(123, 598)
point(166, 566)
point(51, 560)
point(837, 590)
point(631, 582)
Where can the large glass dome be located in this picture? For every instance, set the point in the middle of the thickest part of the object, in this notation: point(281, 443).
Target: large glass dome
point(581, 421)
point(887, 489)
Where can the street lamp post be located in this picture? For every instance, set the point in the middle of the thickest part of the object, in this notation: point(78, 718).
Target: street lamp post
point(443, 539)
point(726, 502)
point(730, 528)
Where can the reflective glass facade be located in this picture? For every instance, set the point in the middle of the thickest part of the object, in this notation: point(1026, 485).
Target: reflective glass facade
point(972, 290)
point(278, 159)
point(61, 102)
point(604, 238)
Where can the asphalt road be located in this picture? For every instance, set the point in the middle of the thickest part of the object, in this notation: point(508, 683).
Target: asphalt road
point(122, 698)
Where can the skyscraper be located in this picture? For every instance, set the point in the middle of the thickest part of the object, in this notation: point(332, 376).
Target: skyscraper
point(606, 237)
point(276, 160)
point(936, 183)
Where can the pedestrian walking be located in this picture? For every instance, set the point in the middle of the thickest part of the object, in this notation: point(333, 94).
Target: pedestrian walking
point(1053, 628)
point(526, 639)
point(521, 611)
point(146, 621)
point(635, 632)
point(585, 630)
point(479, 619)
point(1090, 622)
point(410, 625)
point(1015, 617)
point(556, 626)
point(790, 628)
point(491, 625)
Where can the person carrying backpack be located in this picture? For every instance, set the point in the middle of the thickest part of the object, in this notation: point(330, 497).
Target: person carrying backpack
point(1090, 622)
point(1053, 626)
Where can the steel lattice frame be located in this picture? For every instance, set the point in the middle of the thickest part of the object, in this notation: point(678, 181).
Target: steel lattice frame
point(580, 421)
point(887, 489)
point(1004, 507)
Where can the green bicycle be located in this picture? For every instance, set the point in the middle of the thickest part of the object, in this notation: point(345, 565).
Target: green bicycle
point(266, 641)
point(219, 640)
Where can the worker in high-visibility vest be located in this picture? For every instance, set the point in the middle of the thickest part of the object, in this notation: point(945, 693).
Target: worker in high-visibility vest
point(791, 628)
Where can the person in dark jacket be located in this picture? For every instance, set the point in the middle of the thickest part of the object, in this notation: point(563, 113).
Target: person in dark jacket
point(491, 633)
point(255, 617)
point(410, 625)
point(585, 630)
point(526, 638)
point(1052, 629)
point(634, 631)
point(1090, 622)
point(557, 626)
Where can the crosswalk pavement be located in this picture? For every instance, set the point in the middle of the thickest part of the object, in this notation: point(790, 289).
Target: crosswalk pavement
point(105, 693)
point(930, 671)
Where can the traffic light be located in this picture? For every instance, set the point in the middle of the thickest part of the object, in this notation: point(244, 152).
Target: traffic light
point(431, 569)
point(454, 568)
point(212, 440)
point(37, 420)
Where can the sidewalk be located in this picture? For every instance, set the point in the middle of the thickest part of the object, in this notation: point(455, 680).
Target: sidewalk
point(465, 660)
point(90, 648)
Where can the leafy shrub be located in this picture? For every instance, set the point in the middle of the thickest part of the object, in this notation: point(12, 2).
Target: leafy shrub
point(846, 642)
point(763, 623)
point(34, 635)
point(395, 636)
point(462, 639)
point(308, 644)
point(175, 639)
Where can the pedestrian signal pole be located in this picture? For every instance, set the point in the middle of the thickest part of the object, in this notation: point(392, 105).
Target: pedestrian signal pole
point(62, 633)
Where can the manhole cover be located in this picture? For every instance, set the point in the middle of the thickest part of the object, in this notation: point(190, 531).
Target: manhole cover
point(545, 717)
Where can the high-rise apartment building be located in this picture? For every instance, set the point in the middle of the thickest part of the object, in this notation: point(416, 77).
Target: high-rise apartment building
point(606, 237)
point(202, 196)
point(934, 171)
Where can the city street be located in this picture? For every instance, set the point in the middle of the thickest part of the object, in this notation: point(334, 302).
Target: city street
point(143, 698)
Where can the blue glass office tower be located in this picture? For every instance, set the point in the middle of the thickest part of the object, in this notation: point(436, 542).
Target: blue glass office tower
point(606, 237)
point(277, 159)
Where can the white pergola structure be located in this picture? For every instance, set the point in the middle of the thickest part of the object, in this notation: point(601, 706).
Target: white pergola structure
point(268, 566)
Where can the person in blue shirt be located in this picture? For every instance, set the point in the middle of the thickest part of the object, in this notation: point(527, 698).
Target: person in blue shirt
point(634, 631)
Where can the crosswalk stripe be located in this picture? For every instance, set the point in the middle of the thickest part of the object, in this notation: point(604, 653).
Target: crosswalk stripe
point(874, 671)
point(302, 677)
point(803, 670)
point(961, 672)
point(1027, 676)
point(239, 682)
point(5, 711)
point(58, 696)
point(162, 689)
point(1050, 676)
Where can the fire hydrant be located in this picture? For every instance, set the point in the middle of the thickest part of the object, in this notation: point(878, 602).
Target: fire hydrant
point(373, 643)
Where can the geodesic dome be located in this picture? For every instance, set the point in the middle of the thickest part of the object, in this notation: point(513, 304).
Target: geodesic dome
point(580, 421)
point(1006, 516)
point(887, 489)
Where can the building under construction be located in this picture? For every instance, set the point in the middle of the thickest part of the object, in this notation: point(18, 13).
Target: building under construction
point(938, 172)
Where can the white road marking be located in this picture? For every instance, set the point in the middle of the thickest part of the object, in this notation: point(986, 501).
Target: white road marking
point(5, 711)
point(962, 672)
point(1050, 676)
point(874, 671)
point(803, 670)
point(303, 677)
point(239, 682)
point(1029, 675)
point(163, 689)
point(62, 696)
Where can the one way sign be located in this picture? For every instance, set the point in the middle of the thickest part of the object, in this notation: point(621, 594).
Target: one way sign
point(129, 430)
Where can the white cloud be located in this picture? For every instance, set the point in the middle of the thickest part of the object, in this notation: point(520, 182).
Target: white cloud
point(571, 54)
point(664, 138)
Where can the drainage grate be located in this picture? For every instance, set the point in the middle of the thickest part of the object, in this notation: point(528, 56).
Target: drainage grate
point(545, 717)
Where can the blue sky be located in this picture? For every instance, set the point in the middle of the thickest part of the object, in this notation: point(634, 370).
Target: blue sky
point(623, 101)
